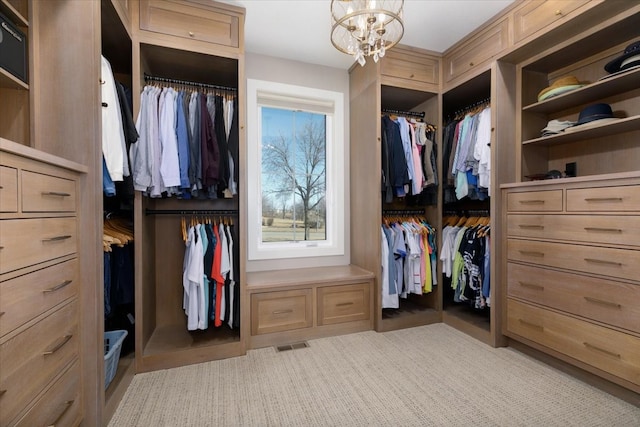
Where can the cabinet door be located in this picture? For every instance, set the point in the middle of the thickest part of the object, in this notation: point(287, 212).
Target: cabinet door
point(536, 15)
point(8, 189)
point(281, 311)
point(346, 303)
point(410, 68)
point(476, 53)
point(190, 20)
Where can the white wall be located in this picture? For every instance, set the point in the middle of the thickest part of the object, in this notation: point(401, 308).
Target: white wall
point(272, 69)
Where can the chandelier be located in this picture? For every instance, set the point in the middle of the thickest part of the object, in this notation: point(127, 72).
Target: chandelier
point(366, 27)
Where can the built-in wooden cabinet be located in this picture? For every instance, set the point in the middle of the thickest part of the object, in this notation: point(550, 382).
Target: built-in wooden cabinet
point(288, 306)
point(535, 16)
point(391, 84)
point(40, 340)
point(572, 272)
point(474, 55)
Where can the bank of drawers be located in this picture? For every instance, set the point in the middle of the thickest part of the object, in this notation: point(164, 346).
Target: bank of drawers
point(39, 286)
point(573, 276)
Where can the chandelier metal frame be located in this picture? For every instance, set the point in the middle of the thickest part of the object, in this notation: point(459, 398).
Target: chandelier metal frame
point(366, 27)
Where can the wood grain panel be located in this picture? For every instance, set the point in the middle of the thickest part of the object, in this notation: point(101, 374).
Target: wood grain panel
point(45, 193)
point(347, 303)
point(27, 296)
point(535, 201)
point(604, 199)
point(33, 358)
point(537, 15)
point(603, 300)
point(606, 349)
point(8, 189)
point(281, 311)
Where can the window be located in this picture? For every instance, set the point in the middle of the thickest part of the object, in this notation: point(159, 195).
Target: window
point(296, 167)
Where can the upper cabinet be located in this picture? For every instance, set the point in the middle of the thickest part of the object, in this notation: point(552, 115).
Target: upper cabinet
point(475, 55)
point(596, 147)
point(197, 20)
point(409, 67)
point(535, 16)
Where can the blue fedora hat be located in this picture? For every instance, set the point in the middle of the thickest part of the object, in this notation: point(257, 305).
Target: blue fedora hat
point(625, 60)
point(594, 112)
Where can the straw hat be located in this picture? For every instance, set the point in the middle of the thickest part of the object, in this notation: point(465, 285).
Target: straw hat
point(562, 85)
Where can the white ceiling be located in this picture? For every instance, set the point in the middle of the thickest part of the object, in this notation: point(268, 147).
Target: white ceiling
point(300, 29)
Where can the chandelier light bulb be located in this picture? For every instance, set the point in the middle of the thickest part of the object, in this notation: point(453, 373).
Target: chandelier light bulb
point(364, 28)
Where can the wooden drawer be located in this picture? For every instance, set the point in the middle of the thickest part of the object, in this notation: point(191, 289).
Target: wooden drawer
point(26, 242)
point(603, 300)
point(603, 348)
point(45, 193)
point(618, 230)
point(535, 201)
point(620, 263)
point(8, 189)
point(281, 311)
point(190, 20)
point(60, 405)
point(30, 360)
point(339, 304)
point(477, 51)
point(534, 16)
point(25, 297)
point(410, 66)
point(604, 199)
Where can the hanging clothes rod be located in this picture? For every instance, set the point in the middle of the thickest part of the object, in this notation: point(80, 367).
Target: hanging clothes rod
point(416, 114)
point(148, 77)
point(191, 212)
point(402, 212)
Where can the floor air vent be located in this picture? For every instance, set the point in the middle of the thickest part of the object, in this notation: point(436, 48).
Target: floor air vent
point(293, 346)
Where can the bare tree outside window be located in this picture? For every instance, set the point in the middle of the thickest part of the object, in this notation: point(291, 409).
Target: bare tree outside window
point(293, 175)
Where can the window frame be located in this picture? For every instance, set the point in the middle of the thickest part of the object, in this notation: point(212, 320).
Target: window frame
point(280, 95)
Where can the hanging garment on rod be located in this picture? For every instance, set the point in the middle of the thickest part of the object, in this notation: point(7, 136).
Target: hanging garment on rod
point(467, 155)
point(408, 158)
point(408, 260)
point(210, 292)
point(465, 260)
point(188, 143)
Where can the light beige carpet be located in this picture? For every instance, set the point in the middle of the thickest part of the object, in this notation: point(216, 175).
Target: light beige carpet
point(426, 376)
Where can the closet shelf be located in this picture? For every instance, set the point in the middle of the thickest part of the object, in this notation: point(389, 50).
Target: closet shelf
point(13, 14)
point(589, 93)
point(623, 125)
point(9, 81)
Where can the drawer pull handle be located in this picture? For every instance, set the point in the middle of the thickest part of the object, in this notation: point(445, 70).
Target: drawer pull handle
point(604, 230)
point(57, 238)
point(59, 345)
point(58, 287)
point(603, 199)
point(532, 253)
point(283, 311)
point(602, 350)
point(558, 12)
point(344, 304)
point(531, 202)
point(67, 405)
point(532, 286)
point(531, 325)
point(602, 302)
point(191, 34)
point(537, 227)
point(55, 193)
point(602, 261)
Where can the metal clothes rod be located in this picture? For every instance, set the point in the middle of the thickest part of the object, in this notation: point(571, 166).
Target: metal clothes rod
point(404, 113)
point(191, 212)
point(407, 212)
point(148, 77)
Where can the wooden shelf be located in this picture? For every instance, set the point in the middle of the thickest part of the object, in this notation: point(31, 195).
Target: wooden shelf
point(610, 128)
point(173, 338)
point(13, 14)
point(589, 93)
point(9, 81)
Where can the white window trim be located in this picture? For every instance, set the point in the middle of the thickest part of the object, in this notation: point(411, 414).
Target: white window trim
point(260, 92)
